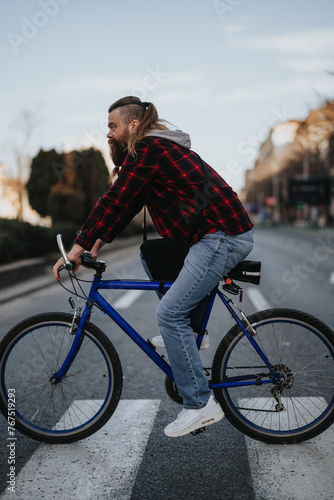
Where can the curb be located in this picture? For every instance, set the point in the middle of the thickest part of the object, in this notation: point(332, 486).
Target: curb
point(39, 274)
point(25, 287)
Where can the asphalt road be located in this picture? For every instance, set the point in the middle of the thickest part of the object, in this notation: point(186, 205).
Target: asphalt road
point(217, 464)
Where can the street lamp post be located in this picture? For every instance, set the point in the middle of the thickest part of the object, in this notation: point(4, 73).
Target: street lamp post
point(276, 194)
point(306, 154)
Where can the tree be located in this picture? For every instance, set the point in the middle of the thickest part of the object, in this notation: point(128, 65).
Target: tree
point(66, 186)
point(94, 176)
point(66, 204)
point(44, 174)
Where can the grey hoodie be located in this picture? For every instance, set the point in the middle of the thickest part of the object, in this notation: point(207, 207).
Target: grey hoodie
point(177, 136)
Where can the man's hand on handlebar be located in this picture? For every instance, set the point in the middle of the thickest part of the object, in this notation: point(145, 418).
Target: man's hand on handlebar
point(74, 256)
point(96, 248)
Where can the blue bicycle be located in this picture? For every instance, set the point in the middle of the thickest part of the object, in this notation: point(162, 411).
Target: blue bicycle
point(272, 373)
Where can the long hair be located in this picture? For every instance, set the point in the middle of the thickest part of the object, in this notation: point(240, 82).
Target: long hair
point(132, 108)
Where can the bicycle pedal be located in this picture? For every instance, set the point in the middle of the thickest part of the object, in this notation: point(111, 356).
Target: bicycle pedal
point(198, 431)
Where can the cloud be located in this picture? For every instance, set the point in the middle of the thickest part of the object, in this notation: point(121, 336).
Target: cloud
point(271, 91)
point(167, 86)
point(98, 83)
point(237, 95)
point(233, 28)
point(309, 42)
point(309, 64)
point(153, 78)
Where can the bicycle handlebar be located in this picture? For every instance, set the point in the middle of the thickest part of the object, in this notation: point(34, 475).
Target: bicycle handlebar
point(86, 259)
point(68, 264)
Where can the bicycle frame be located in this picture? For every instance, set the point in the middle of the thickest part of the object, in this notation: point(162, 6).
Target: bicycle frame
point(95, 297)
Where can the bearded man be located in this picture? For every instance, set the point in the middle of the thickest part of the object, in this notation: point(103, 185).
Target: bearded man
point(156, 167)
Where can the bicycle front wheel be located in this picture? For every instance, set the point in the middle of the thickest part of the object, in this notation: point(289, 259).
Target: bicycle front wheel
point(81, 403)
point(301, 349)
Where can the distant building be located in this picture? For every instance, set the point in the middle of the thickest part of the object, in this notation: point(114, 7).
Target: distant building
point(293, 177)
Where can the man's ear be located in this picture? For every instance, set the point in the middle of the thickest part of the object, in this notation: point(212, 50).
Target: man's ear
point(133, 126)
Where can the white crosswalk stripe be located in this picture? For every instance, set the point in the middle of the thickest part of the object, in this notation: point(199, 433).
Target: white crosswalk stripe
point(275, 469)
point(105, 465)
point(100, 467)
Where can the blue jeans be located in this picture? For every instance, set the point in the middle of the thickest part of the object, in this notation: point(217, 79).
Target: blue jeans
point(207, 262)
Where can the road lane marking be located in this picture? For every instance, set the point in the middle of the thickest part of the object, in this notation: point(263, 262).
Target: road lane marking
point(102, 466)
point(302, 471)
point(331, 279)
point(257, 299)
point(96, 467)
point(127, 299)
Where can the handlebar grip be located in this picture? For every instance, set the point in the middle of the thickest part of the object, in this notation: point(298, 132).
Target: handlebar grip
point(88, 261)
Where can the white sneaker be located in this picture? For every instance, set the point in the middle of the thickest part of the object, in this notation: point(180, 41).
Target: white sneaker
point(191, 420)
point(159, 342)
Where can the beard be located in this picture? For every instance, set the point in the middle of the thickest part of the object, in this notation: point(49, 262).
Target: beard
point(117, 151)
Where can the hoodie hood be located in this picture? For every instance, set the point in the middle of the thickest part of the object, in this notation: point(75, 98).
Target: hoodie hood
point(177, 136)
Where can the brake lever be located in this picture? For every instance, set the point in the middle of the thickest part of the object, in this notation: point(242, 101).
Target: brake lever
point(68, 267)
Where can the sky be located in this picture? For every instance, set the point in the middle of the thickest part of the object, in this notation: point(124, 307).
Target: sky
point(224, 71)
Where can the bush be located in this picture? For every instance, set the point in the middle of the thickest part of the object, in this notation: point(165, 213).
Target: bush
point(20, 240)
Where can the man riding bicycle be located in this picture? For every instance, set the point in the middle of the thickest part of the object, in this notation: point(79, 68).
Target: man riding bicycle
point(156, 167)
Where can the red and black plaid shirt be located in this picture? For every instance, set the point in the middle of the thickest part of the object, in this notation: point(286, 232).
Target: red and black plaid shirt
point(168, 178)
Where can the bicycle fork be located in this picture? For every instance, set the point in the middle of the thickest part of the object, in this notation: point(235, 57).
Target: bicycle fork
point(76, 329)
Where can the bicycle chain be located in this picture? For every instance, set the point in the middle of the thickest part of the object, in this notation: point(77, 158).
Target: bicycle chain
point(250, 409)
point(244, 367)
point(256, 409)
point(239, 368)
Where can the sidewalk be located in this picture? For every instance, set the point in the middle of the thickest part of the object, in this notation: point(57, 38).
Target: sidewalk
point(26, 287)
point(326, 232)
point(39, 271)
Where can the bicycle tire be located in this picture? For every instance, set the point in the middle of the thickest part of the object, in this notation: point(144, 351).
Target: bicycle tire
point(84, 400)
point(299, 346)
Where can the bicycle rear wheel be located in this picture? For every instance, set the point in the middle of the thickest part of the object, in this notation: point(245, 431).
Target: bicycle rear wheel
point(300, 348)
point(32, 352)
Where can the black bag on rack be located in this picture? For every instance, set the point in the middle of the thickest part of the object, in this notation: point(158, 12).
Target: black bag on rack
point(164, 258)
point(248, 271)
